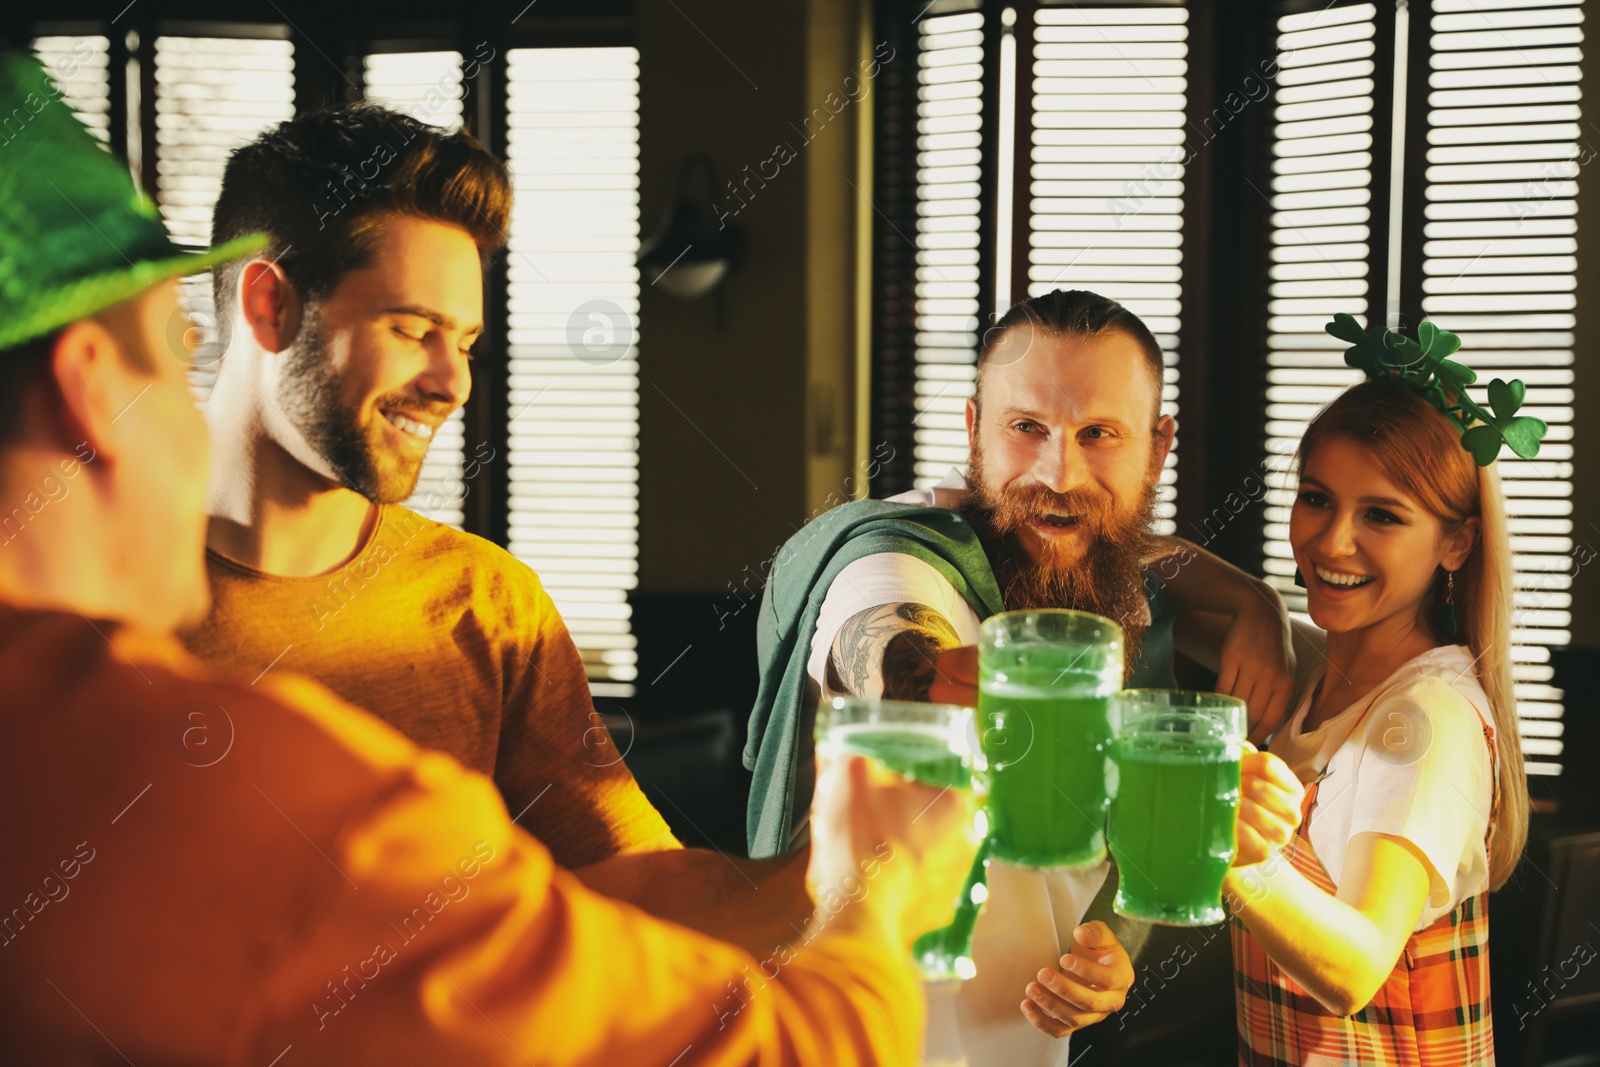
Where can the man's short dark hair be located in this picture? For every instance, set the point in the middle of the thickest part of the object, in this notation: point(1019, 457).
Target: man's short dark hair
point(1075, 313)
point(318, 183)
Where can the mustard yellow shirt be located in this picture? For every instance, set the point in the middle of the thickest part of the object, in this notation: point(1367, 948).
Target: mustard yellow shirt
point(452, 641)
point(200, 870)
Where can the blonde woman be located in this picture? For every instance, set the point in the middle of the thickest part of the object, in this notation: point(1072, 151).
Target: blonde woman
point(1366, 940)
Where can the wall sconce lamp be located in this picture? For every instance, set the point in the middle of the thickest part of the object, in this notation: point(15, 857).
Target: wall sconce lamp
point(692, 253)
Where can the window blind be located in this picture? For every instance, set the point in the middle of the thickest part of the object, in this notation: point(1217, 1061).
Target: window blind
point(212, 95)
point(1109, 90)
point(1320, 238)
point(573, 151)
point(80, 67)
point(948, 302)
point(1500, 257)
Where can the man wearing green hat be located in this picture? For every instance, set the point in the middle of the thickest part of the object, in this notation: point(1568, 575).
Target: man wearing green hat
point(203, 869)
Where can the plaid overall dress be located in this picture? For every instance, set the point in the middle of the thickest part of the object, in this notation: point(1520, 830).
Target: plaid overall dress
point(1432, 1011)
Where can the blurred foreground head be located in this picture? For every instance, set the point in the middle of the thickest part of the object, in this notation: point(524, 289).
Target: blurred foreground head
point(103, 455)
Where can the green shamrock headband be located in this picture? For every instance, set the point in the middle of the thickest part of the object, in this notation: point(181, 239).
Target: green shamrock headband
point(1426, 369)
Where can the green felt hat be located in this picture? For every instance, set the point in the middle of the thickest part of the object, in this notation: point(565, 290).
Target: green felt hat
point(77, 235)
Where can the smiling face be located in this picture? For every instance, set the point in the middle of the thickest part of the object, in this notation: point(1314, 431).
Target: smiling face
point(1062, 442)
point(1369, 551)
point(1063, 471)
point(384, 360)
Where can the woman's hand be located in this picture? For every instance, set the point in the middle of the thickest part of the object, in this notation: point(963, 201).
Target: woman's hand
point(1092, 983)
point(1269, 806)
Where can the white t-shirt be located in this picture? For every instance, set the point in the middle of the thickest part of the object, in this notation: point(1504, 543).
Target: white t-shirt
point(893, 578)
point(885, 578)
point(1027, 922)
point(1416, 768)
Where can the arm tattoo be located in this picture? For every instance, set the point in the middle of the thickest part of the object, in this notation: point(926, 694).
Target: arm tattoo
point(888, 651)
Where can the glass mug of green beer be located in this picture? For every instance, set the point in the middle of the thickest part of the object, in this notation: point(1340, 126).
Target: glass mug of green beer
point(934, 744)
point(1177, 758)
point(1045, 682)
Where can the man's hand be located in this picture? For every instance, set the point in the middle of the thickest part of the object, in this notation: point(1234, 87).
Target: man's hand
point(1231, 623)
point(886, 852)
point(1269, 806)
point(1092, 983)
point(955, 677)
point(1258, 662)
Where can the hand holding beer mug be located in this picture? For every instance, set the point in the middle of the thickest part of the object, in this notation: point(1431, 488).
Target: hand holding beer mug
point(930, 744)
point(1269, 806)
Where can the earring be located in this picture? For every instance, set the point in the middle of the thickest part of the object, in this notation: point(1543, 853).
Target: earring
point(1450, 602)
point(1299, 579)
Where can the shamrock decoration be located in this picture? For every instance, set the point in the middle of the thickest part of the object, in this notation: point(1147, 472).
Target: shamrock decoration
point(1425, 368)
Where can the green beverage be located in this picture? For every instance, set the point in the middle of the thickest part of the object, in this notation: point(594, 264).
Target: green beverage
point(1045, 681)
point(1047, 748)
point(922, 753)
point(1177, 796)
point(929, 743)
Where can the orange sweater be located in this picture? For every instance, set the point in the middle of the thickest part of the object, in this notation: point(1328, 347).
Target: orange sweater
point(453, 642)
point(201, 870)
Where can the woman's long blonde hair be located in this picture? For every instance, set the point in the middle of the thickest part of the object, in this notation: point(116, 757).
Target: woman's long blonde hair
point(1420, 450)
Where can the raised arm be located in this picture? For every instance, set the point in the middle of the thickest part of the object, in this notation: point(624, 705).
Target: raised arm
point(1341, 948)
point(1231, 623)
point(606, 829)
point(755, 904)
point(521, 960)
point(890, 652)
point(561, 774)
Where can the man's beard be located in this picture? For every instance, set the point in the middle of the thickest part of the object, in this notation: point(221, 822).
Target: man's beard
point(314, 404)
point(1109, 578)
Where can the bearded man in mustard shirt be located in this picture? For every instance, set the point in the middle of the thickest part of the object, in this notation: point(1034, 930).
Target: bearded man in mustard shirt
point(347, 342)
